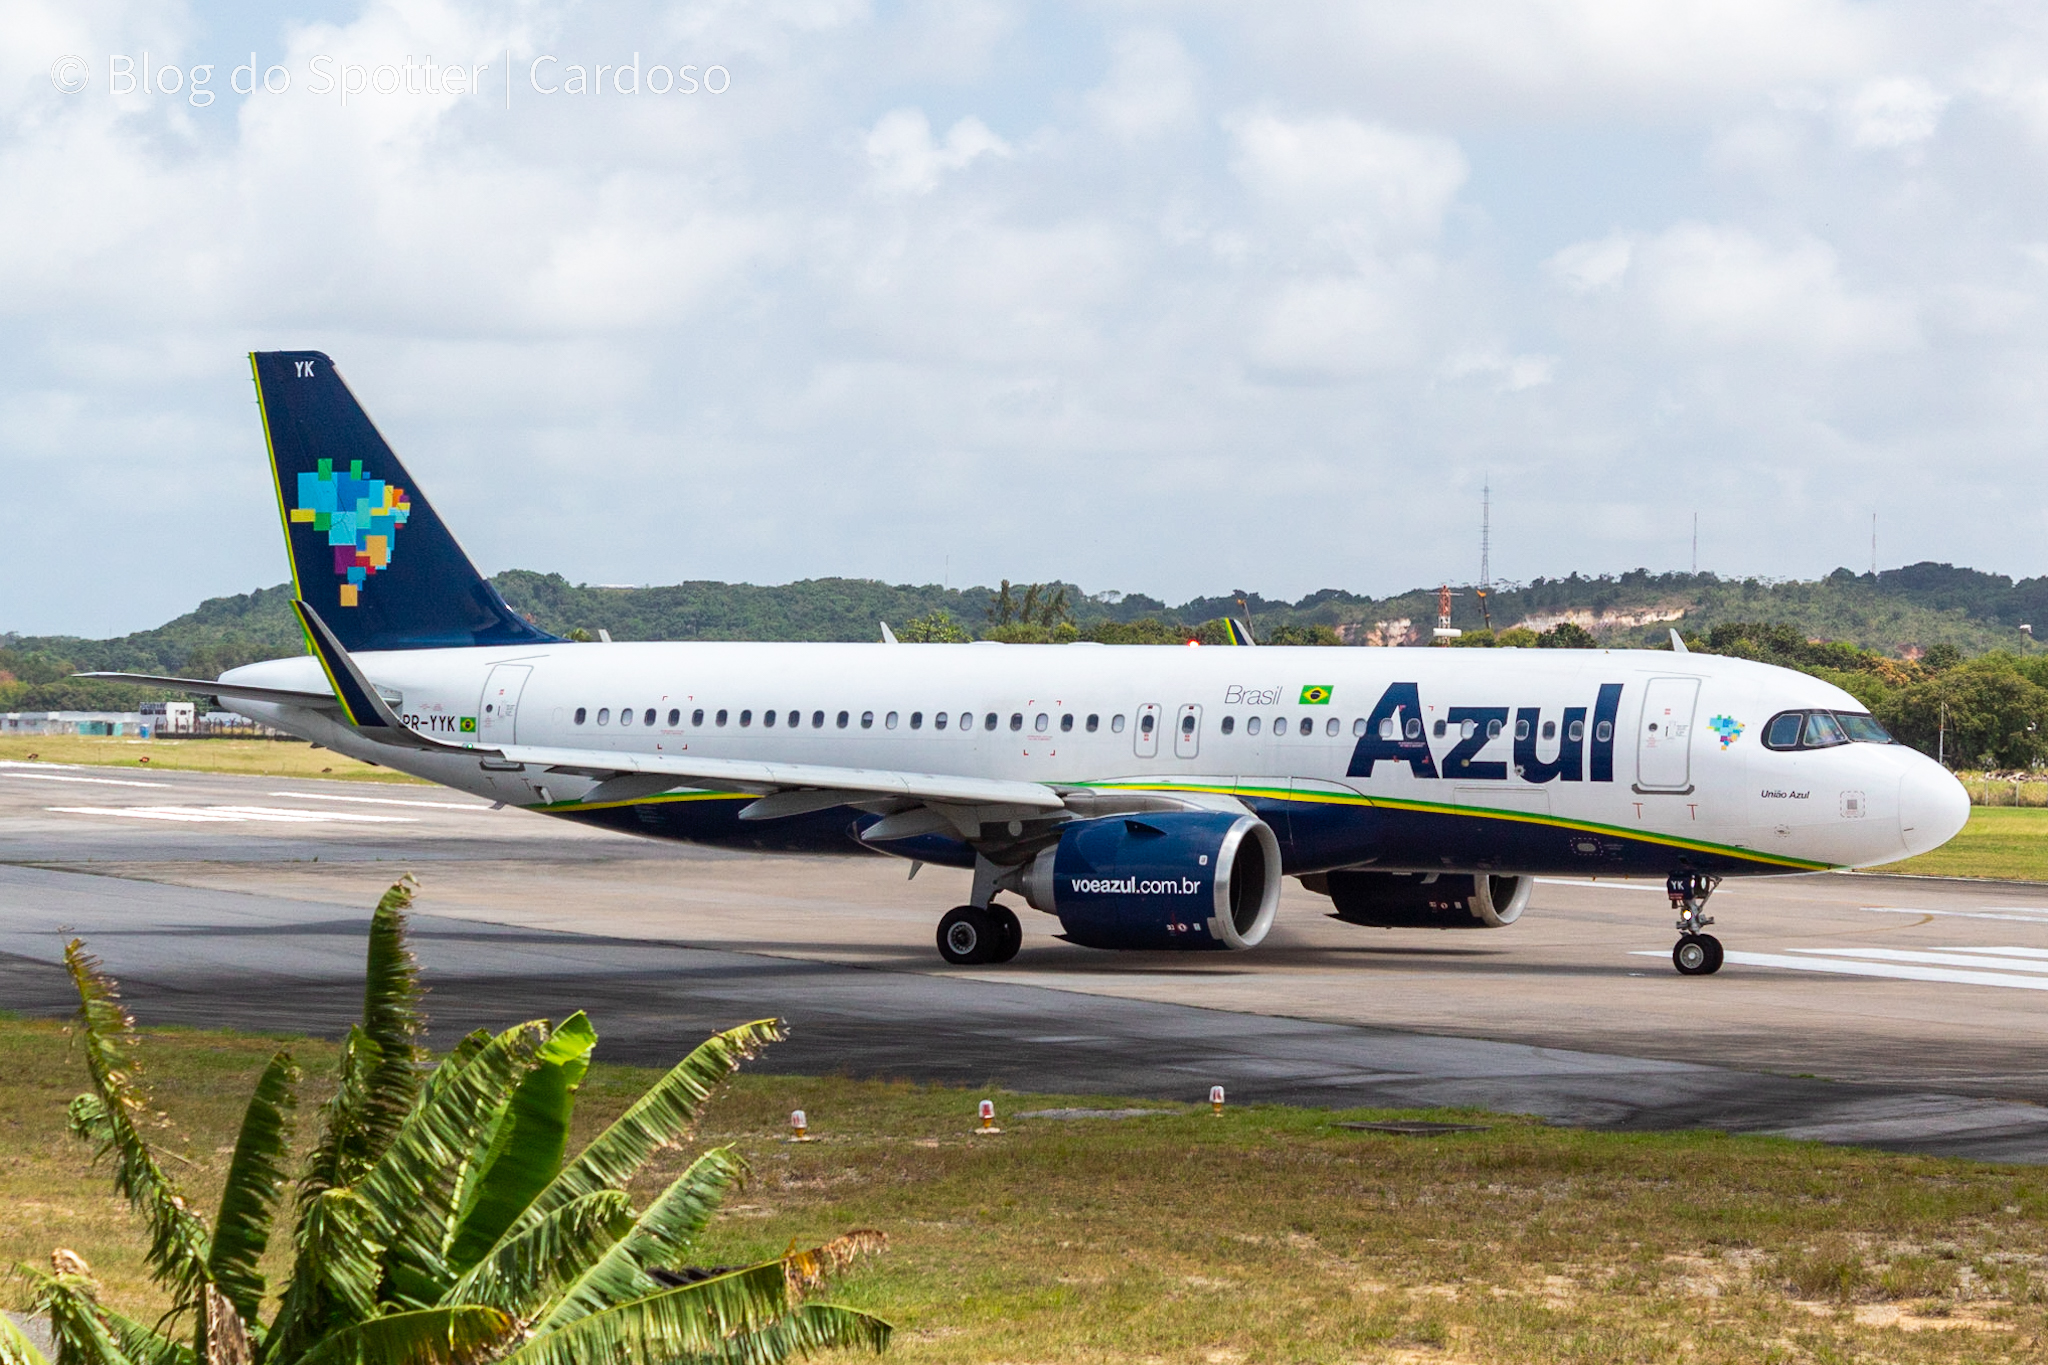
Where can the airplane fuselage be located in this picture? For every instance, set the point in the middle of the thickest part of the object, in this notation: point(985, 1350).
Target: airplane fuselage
point(1597, 762)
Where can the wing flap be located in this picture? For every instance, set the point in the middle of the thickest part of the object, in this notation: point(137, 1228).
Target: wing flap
point(750, 775)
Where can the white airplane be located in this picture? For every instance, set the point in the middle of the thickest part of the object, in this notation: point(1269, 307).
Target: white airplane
point(1148, 797)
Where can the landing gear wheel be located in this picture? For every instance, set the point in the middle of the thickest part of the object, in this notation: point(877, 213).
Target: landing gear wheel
point(1009, 933)
point(1697, 955)
point(969, 936)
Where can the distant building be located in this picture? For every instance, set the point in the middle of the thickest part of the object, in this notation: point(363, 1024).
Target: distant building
point(77, 723)
point(171, 717)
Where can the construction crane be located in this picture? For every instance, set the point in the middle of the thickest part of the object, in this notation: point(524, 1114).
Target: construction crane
point(1444, 632)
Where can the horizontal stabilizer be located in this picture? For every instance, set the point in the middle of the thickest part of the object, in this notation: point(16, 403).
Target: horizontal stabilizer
point(223, 691)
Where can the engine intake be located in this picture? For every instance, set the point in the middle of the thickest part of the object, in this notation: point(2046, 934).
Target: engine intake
point(1394, 900)
point(1177, 879)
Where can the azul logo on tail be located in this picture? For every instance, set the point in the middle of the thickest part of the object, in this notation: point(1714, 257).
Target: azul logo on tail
point(360, 516)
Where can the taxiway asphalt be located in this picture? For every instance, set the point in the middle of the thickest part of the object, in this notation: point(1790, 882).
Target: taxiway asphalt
point(1890, 1011)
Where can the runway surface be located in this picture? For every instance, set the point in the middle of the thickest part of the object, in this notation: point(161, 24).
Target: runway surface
point(1896, 1012)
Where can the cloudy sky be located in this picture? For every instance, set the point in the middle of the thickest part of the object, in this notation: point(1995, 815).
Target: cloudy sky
point(1154, 298)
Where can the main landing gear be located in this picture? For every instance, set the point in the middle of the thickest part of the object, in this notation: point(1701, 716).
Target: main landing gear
point(971, 936)
point(1696, 953)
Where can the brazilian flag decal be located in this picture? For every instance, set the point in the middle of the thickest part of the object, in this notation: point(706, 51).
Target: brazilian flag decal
point(1316, 694)
point(469, 725)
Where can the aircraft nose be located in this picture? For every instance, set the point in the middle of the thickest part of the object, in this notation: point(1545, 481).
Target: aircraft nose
point(1933, 806)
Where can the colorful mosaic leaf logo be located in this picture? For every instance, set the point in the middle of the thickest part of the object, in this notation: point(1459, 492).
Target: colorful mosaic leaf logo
point(360, 516)
point(1727, 727)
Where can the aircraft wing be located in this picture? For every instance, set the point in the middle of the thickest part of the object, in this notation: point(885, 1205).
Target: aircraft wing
point(220, 691)
point(735, 774)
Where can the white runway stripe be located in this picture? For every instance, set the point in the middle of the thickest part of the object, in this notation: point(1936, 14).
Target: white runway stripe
point(1984, 959)
point(384, 801)
point(1884, 962)
point(2023, 914)
point(95, 781)
point(217, 814)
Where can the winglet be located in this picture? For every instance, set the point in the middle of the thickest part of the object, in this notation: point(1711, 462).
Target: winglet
point(1240, 633)
point(1677, 644)
point(888, 635)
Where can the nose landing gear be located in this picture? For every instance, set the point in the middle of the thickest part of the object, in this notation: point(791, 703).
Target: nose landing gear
point(1696, 953)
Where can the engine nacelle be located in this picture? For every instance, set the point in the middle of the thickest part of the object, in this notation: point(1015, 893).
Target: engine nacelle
point(1178, 879)
point(1394, 900)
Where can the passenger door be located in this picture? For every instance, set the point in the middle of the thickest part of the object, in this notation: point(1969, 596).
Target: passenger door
point(1664, 736)
point(1187, 732)
point(1147, 741)
point(497, 713)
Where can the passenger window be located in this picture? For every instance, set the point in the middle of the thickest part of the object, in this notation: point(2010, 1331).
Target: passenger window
point(581, 712)
point(1187, 725)
point(1229, 724)
point(697, 716)
point(1387, 727)
point(867, 720)
point(988, 722)
point(1116, 724)
point(1280, 726)
point(917, 720)
point(1066, 723)
point(1331, 726)
point(1042, 723)
point(817, 720)
point(1823, 731)
point(966, 721)
point(1576, 731)
point(746, 718)
point(648, 718)
point(604, 715)
point(1251, 725)
point(720, 718)
point(1093, 721)
point(1439, 729)
point(842, 720)
point(1550, 729)
point(1358, 727)
point(796, 718)
point(1603, 732)
point(767, 719)
point(1413, 729)
point(939, 721)
point(1493, 730)
point(674, 717)
point(1522, 728)
point(889, 721)
point(1467, 729)
point(1145, 725)
point(1016, 720)
point(625, 715)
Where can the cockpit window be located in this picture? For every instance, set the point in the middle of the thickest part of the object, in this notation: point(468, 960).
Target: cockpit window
point(1864, 729)
point(1823, 730)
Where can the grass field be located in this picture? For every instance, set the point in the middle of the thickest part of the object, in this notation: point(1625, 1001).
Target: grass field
point(254, 757)
point(1264, 1235)
point(2001, 843)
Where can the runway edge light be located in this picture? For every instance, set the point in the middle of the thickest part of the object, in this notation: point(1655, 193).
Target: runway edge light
point(988, 1119)
point(1216, 1100)
point(799, 1126)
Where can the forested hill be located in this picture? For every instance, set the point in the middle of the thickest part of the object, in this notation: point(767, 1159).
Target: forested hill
point(1900, 613)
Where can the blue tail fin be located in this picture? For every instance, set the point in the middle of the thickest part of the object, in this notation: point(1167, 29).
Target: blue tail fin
point(368, 552)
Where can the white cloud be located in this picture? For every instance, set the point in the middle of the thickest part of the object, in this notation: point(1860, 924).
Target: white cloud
point(1587, 267)
point(1389, 186)
point(906, 160)
point(1150, 89)
point(1900, 111)
point(1722, 286)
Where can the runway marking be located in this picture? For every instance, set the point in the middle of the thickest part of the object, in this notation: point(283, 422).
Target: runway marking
point(96, 781)
point(236, 814)
point(2021, 914)
point(384, 801)
point(2012, 968)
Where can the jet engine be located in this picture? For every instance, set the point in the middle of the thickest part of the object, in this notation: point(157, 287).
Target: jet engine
point(1397, 900)
point(1176, 879)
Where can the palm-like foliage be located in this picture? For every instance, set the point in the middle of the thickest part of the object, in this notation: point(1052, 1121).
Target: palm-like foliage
point(435, 1219)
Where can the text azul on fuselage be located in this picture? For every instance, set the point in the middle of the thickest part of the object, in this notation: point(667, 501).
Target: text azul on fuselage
point(1398, 732)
